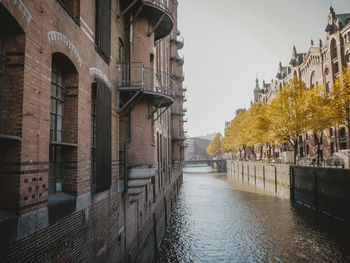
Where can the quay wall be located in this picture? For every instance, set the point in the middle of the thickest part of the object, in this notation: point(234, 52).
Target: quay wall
point(325, 190)
point(271, 177)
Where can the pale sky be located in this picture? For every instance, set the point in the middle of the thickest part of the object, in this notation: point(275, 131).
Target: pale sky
point(229, 42)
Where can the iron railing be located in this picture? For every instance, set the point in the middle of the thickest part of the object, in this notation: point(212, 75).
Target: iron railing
point(137, 75)
point(167, 5)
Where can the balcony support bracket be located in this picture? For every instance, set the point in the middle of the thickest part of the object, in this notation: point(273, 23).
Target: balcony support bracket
point(127, 9)
point(136, 97)
point(156, 25)
point(160, 114)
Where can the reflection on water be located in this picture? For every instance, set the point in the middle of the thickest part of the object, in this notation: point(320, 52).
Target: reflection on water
point(217, 222)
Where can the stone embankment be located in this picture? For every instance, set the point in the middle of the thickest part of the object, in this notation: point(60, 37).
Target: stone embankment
point(271, 177)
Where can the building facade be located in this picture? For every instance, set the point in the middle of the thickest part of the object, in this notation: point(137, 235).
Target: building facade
point(91, 128)
point(320, 65)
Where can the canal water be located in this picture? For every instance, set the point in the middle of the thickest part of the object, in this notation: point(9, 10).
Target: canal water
point(214, 221)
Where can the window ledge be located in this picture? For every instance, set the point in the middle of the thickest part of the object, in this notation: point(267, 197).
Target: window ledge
point(6, 137)
point(102, 54)
point(76, 20)
point(60, 205)
point(64, 144)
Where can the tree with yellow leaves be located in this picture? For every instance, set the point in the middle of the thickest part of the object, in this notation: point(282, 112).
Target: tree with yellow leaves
point(340, 95)
point(215, 146)
point(319, 117)
point(288, 113)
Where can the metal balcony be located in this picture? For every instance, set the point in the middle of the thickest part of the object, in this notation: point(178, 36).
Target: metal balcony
point(159, 12)
point(156, 85)
point(178, 41)
point(179, 76)
point(178, 58)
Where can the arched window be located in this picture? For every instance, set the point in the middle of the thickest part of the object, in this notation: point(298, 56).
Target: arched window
point(63, 124)
point(12, 50)
point(333, 48)
point(312, 80)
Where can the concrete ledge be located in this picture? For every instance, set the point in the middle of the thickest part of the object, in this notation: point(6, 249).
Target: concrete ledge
point(32, 221)
point(138, 183)
point(135, 191)
point(141, 172)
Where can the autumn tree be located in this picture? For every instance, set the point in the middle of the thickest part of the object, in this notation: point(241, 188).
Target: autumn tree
point(318, 106)
point(215, 146)
point(340, 104)
point(288, 113)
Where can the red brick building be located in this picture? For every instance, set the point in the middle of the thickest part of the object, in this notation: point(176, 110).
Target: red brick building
point(320, 65)
point(91, 128)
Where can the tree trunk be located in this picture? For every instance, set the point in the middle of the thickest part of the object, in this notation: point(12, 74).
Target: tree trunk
point(295, 150)
point(318, 148)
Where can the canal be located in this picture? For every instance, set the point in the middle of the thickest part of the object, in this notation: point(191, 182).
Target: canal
point(214, 221)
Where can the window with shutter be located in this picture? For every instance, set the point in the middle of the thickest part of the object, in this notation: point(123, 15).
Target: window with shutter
point(101, 136)
point(2, 72)
point(103, 28)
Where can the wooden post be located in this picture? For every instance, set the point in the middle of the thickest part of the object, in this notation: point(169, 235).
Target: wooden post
point(291, 182)
point(264, 175)
point(242, 173)
point(254, 174)
point(275, 179)
point(248, 172)
point(315, 191)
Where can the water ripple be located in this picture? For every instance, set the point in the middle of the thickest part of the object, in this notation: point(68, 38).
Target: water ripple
point(216, 222)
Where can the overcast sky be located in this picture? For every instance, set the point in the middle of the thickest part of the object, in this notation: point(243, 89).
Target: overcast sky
point(229, 42)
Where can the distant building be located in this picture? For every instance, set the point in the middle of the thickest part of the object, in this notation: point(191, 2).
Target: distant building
point(196, 148)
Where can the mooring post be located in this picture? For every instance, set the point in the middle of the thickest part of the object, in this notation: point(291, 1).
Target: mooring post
point(242, 173)
point(248, 172)
point(291, 182)
point(264, 175)
point(254, 174)
point(315, 191)
point(275, 179)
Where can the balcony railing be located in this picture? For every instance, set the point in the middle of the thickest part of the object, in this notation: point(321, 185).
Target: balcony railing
point(180, 76)
point(159, 12)
point(178, 41)
point(136, 75)
point(178, 58)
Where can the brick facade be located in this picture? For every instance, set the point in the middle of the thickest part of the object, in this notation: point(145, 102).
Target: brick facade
point(84, 219)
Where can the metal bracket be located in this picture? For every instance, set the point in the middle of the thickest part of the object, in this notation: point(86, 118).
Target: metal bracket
point(156, 25)
point(160, 114)
point(127, 9)
point(132, 99)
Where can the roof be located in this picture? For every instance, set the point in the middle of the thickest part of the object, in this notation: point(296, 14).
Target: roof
point(344, 19)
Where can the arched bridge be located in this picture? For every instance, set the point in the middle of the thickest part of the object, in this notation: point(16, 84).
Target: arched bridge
point(220, 163)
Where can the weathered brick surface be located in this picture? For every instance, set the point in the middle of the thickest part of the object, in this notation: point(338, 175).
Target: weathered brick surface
point(99, 227)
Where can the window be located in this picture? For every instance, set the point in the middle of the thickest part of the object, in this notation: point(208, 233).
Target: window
point(56, 130)
point(2, 73)
point(93, 137)
point(332, 148)
point(333, 49)
point(57, 105)
point(100, 136)
point(342, 133)
point(63, 125)
point(103, 28)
